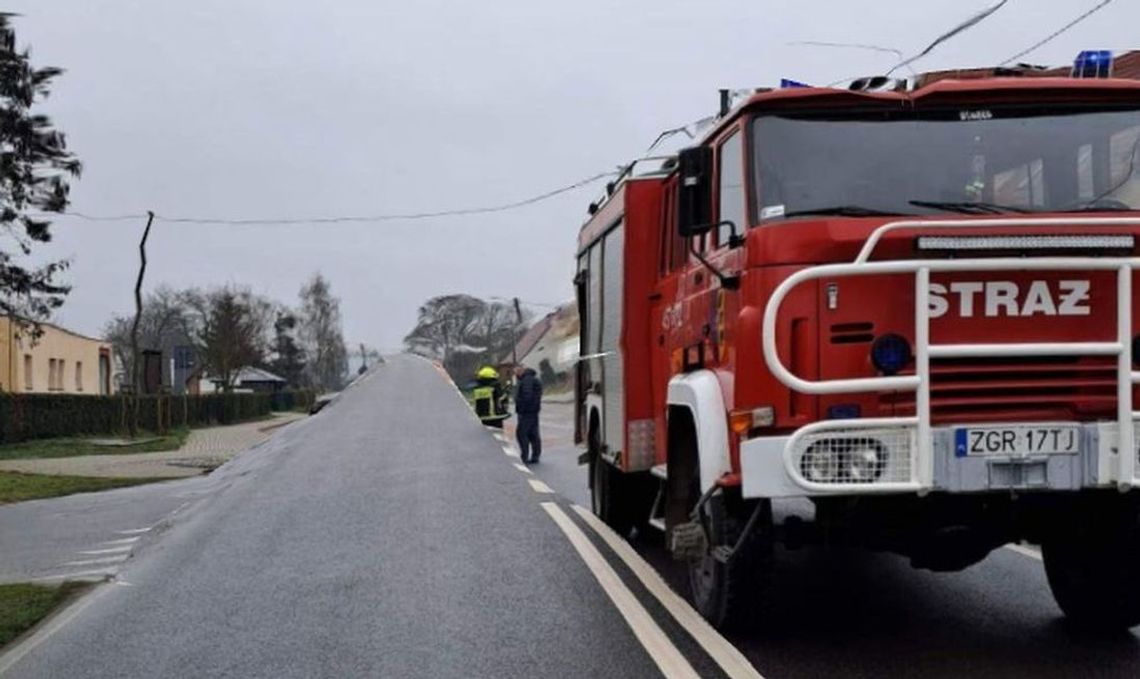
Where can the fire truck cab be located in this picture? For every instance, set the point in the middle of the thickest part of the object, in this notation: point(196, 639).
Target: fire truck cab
point(911, 312)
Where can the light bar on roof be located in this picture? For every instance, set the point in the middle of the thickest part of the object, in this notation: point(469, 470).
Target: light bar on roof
point(1026, 242)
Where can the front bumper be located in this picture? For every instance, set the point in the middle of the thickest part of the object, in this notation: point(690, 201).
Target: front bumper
point(772, 467)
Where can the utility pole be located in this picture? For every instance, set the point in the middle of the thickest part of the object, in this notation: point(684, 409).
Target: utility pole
point(515, 334)
point(136, 381)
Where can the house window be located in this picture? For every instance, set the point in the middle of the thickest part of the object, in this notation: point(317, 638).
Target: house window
point(79, 375)
point(28, 384)
point(51, 374)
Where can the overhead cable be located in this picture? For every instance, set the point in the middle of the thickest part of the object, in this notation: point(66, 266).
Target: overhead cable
point(965, 25)
point(348, 218)
point(1101, 5)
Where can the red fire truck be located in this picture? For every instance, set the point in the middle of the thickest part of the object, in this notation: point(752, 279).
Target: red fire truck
point(909, 311)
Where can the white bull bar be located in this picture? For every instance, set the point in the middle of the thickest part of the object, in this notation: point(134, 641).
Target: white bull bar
point(921, 462)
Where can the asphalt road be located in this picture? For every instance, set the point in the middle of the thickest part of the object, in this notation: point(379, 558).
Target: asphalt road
point(857, 614)
point(88, 536)
point(390, 535)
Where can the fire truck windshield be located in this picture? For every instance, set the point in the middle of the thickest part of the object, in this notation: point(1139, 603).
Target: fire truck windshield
point(971, 161)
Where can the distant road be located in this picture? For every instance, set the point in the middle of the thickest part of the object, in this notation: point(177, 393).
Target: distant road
point(391, 535)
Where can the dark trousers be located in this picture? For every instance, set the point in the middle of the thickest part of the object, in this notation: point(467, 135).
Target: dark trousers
point(530, 443)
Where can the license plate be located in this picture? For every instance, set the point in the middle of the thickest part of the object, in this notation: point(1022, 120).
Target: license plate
point(1017, 440)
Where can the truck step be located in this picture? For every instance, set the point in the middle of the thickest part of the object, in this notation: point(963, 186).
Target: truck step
point(689, 541)
point(660, 471)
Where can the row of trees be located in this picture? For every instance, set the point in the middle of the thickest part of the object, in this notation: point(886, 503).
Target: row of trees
point(230, 328)
point(464, 332)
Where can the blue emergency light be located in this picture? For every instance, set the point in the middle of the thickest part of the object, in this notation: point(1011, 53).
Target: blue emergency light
point(1093, 64)
point(785, 83)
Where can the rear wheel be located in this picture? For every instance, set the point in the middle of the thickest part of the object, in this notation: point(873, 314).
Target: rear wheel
point(1092, 570)
point(611, 496)
point(729, 593)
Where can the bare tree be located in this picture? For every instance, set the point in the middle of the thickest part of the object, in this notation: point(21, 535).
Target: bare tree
point(168, 320)
point(232, 332)
point(462, 331)
point(321, 334)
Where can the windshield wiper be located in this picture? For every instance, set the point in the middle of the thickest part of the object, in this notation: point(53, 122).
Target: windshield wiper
point(843, 211)
point(1102, 207)
point(970, 207)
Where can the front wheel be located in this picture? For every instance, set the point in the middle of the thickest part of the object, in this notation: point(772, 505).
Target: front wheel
point(729, 593)
point(1092, 571)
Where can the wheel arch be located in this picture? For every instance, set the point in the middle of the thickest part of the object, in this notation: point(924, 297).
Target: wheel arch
point(701, 395)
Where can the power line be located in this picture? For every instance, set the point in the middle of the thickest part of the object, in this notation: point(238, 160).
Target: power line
point(964, 26)
point(396, 216)
point(1058, 32)
point(850, 45)
point(346, 218)
point(94, 218)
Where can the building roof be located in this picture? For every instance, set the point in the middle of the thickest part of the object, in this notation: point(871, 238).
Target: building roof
point(533, 334)
point(48, 324)
point(257, 375)
point(1125, 66)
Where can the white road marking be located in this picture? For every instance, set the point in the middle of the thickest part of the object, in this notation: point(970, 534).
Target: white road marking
point(539, 486)
point(733, 663)
point(668, 658)
point(14, 654)
point(101, 573)
point(109, 550)
point(134, 531)
point(101, 560)
point(522, 468)
point(509, 452)
point(123, 541)
point(1024, 551)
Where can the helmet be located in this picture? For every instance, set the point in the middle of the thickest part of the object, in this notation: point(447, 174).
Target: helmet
point(487, 373)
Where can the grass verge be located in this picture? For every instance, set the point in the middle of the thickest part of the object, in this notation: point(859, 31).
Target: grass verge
point(22, 606)
point(17, 487)
point(72, 447)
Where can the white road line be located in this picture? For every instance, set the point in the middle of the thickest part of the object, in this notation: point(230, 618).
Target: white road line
point(522, 468)
point(102, 560)
point(1024, 551)
point(669, 659)
point(733, 663)
point(103, 572)
point(539, 486)
point(123, 541)
point(110, 550)
point(509, 452)
point(134, 531)
point(16, 653)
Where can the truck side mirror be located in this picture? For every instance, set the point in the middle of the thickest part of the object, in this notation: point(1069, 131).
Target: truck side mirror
point(694, 194)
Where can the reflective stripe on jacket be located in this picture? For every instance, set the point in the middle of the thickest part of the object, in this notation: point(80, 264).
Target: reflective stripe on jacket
point(487, 403)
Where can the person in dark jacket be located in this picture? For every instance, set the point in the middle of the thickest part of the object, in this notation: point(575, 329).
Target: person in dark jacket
point(528, 403)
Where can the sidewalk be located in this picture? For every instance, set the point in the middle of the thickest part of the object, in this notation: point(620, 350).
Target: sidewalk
point(205, 449)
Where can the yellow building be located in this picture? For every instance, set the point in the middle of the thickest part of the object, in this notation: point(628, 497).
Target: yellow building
point(57, 362)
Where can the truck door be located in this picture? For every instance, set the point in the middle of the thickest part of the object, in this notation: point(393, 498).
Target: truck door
point(664, 311)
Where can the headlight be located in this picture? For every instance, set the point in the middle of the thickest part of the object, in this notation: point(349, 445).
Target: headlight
point(890, 353)
point(844, 461)
point(863, 460)
point(820, 462)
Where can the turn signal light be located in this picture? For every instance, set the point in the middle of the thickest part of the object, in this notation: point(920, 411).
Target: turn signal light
point(743, 421)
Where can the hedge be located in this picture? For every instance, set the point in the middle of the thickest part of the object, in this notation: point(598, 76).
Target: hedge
point(34, 416)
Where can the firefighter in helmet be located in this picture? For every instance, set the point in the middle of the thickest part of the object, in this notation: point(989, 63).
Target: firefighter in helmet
point(490, 399)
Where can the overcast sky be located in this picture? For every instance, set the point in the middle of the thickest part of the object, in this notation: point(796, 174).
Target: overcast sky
point(284, 108)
